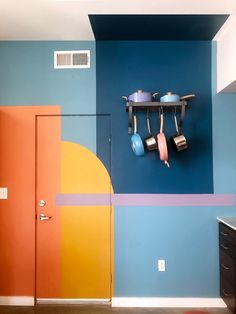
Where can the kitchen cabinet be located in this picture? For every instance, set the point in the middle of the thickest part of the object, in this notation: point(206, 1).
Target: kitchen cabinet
point(227, 247)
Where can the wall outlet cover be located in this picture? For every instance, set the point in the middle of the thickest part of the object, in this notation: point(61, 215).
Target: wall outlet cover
point(161, 265)
point(3, 193)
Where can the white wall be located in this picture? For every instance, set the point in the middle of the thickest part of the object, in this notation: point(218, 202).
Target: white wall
point(223, 135)
point(226, 58)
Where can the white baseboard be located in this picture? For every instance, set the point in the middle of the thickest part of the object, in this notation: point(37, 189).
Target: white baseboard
point(168, 302)
point(27, 301)
point(72, 301)
point(122, 302)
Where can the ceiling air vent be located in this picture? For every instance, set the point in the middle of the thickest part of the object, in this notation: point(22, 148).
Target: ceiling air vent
point(76, 59)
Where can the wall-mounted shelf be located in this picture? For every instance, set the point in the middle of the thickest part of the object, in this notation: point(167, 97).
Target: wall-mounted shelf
point(153, 106)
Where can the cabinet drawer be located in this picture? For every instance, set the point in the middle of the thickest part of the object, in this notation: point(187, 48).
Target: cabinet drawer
point(227, 248)
point(227, 234)
point(227, 267)
point(227, 293)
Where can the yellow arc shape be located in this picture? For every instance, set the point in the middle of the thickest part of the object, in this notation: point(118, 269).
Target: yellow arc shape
point(86, 231)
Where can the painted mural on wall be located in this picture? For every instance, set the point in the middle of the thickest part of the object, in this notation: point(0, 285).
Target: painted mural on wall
point(148, 224)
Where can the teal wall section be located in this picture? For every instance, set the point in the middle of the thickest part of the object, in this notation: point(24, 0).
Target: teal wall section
point(80, 129)
point(27, 77)
point(224, 131)
point(186, 237)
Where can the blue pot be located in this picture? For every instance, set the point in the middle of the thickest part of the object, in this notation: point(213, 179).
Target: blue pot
point(137, 144)
point(136, 141)
point(140, 96)
point(169, 97)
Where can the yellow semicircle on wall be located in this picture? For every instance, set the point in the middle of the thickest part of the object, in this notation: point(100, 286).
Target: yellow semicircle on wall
point(86, 231)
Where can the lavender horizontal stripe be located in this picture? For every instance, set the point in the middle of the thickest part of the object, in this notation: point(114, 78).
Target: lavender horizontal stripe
point(83, 199)
point(145, 199)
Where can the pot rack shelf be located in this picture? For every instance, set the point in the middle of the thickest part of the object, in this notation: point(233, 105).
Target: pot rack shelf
point(152, 106)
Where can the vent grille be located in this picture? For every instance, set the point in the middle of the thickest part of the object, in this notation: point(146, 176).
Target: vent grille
point(79, 59)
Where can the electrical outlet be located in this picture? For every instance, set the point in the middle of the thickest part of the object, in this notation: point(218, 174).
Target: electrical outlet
point(161, 265)
point(3, 193)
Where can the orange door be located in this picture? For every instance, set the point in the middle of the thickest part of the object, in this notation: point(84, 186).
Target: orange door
point(74, 242)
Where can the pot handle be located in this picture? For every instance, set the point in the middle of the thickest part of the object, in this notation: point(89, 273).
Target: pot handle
point(148, 123)
point(161, 122)
point(166, 163)
point(135, 124)
point(182, 115)
point(125, 98)
point(155, 94)
point(130, 120)
point(176, 124)
point(187, 97)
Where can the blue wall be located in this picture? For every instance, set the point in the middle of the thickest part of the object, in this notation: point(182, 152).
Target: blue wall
point(27, 77)
point(183, 67)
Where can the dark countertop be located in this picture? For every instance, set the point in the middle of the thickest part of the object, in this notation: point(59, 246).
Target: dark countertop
point(229, 221)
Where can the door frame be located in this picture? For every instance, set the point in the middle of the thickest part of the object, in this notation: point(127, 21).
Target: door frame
point(76, 301)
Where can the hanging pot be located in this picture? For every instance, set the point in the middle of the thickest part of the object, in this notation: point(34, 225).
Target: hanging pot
point(162, 145)
point(140, 96)
point(136, 141)
point(178, 141)
point(169, 97)
point(150, 141)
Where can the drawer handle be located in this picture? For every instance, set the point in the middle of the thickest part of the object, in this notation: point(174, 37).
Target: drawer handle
point(224, 246)
point(226, 294)
point(224, 233)
point(225, 267)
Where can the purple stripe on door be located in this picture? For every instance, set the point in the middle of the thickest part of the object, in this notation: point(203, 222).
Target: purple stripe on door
point(145, 199)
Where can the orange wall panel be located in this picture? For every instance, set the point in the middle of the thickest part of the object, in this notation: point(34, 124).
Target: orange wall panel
point(17, 213)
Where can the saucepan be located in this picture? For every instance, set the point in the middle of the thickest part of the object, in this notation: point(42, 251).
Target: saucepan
point(150, 141)
point(136, 141)
point(170, 97)
point(178, 141)
point(161, 140)
point(140, 96)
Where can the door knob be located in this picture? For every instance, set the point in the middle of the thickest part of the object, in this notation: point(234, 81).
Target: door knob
point(42, 203)
point(44, 217)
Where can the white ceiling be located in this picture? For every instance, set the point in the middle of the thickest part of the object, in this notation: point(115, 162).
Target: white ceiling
point(68, 19)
